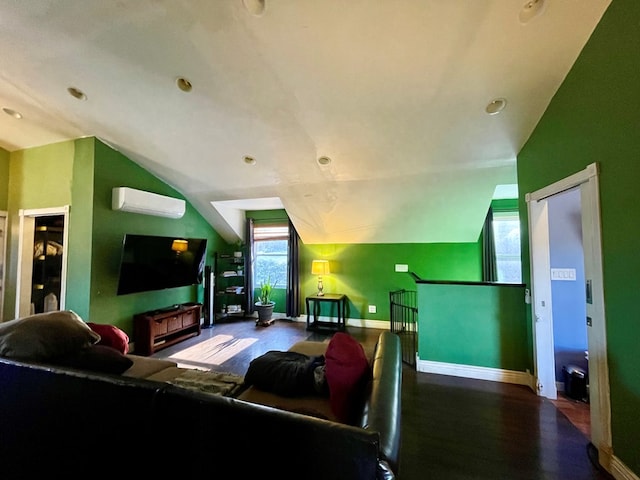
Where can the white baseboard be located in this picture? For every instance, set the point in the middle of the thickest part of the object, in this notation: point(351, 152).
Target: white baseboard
point(620, 471)
point(351, 322)
point(479, 373)
point(364, 323)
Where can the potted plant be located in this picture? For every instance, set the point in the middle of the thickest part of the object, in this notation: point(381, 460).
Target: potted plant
point(264, 304)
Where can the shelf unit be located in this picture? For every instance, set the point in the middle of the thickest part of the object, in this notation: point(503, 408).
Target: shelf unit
point(230, 298)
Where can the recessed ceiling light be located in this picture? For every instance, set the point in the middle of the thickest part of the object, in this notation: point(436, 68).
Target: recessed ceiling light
point(76, 93)
point(255, 7)
point(324, 161)
point(531, 10)
point(184, 84)
point(249, 160)
point(13, 113)
point(495, 106)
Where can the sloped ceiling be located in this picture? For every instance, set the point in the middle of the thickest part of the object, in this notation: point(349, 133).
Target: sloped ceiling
point(392, 91)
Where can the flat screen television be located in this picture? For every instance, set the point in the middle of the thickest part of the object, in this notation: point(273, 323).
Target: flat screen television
point(151, 262)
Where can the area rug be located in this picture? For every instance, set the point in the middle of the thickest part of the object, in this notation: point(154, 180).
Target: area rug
point(215, 383)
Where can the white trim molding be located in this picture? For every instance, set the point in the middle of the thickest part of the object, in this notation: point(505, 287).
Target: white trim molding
point(351, 322)
point(479, 373)
point(25, 256)
point(620, 471)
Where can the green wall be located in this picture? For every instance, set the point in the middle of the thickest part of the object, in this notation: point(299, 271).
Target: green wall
point(366, 272)
point(39, 177)
point(4, 178)
point(112, 169)
point(81, 174)
point(505, 205)
point(595, 117)
point(474, 324)
point(79, 240)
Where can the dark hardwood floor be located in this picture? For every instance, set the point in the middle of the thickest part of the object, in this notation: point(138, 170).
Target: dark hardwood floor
point(578, 412)
point(452, 428)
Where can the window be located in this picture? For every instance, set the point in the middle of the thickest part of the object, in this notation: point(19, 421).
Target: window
point(506, 234)
point(270, 247)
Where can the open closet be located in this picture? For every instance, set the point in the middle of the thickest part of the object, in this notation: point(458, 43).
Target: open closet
point(43, 258)
point(46, 275)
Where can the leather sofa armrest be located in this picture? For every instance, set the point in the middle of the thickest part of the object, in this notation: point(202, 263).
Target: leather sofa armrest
point(382, 410)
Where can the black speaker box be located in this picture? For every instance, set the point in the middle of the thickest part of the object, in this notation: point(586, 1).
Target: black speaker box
point(575, 382)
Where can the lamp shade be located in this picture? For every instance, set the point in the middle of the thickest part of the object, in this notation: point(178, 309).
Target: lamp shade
point(180, 245)
point(320, 267)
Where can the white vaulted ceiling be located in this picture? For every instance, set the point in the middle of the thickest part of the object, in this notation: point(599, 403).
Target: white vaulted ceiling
point(392, 91)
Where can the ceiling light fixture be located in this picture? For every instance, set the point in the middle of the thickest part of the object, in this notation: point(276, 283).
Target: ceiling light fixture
point(495, 106)
point(255, 7)
point(324, 161)
point(12, 113)
point(249, 160)
point(531, 10)
point(76, 93)
point(184, 84)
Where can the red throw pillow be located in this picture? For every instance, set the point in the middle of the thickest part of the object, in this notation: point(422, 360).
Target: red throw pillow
point(346, 370)
point(111, 336)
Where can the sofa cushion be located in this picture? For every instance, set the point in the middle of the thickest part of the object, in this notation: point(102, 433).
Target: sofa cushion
point(45, 336)
point(347, 371)
point(111, 336)
point(98, 358)
point(310, 348)
point(312, 405)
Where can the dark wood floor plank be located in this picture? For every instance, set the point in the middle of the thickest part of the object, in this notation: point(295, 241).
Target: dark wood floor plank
point(452, 428)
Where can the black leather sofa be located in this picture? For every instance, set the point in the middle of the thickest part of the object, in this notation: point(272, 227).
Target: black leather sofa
point(67, 423)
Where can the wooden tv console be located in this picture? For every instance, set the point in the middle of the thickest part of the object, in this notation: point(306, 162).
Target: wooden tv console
point(158, 329)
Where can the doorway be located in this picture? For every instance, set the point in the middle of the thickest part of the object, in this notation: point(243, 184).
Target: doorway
point(42, 265)
point(586, 181)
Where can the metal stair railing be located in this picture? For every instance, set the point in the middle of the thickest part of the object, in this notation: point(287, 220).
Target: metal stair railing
point(404, 322)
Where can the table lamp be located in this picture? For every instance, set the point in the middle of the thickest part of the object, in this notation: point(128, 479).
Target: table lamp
point(320, 267)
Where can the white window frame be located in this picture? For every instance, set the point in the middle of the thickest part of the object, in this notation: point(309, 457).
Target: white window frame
point(266, 233)
point(508, 215)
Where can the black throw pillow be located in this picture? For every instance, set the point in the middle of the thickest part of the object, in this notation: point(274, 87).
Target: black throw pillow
point(98, 358)
point(288, 374)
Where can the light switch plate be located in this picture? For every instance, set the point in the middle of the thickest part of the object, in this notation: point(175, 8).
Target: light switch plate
point(566, 274)
point(402, 267)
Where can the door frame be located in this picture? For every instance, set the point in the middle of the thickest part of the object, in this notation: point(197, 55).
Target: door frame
point(25, 254)
point(600, 407)
point(3, 259)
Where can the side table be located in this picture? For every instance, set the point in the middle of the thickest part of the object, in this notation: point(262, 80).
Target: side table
point(339, 299)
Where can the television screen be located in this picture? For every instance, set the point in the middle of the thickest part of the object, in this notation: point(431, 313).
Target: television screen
point(154, 263)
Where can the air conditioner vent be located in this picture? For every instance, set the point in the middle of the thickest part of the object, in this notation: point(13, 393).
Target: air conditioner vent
point(127, 199)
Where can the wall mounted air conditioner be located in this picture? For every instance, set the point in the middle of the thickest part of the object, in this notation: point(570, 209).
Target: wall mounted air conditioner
point(128, 199)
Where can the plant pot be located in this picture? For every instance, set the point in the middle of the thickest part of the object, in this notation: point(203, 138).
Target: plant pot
point(265, 312)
